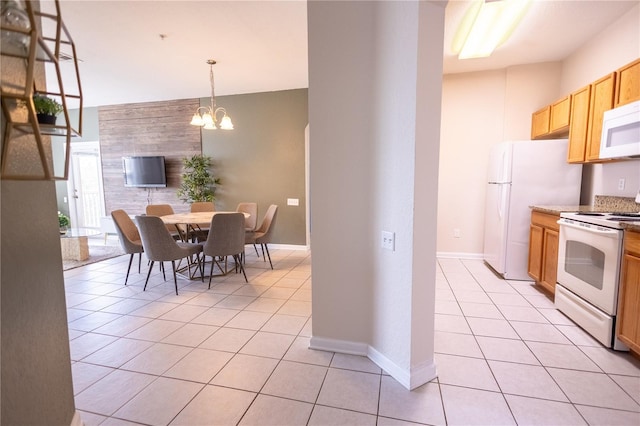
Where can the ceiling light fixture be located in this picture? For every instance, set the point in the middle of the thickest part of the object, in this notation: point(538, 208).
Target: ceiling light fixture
point(486, 25)
point(207, 119)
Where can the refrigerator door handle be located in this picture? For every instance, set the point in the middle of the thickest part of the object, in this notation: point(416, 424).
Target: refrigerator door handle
point(502, 201)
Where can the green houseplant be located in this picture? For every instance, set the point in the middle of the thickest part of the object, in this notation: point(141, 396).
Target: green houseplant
point(198, 183)
point(46, 108)
point(63, 222)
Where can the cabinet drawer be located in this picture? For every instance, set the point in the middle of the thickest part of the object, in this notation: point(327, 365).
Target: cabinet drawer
point(632, 242)
point(545, 220)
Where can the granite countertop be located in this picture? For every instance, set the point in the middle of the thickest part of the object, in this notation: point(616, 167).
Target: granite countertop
point(603, 203)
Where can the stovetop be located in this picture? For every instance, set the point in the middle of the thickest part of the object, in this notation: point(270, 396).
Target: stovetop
point(608, 220)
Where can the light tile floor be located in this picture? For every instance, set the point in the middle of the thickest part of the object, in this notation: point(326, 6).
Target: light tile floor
point(238, 354)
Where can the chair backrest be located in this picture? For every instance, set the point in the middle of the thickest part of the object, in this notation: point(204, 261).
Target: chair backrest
point(159, 209)
point(251, 208)
point(158, 243)
point(226, 235)
point(266, 227)
point(203, 206)
point(127, 232)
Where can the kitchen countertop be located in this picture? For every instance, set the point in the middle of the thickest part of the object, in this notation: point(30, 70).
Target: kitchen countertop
point(627, 226)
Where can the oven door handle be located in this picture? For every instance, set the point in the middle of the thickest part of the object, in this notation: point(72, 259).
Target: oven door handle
point(588, 228)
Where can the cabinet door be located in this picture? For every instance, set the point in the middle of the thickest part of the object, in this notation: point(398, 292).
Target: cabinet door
point(628, 317)
point(628, 84)
point(550, 260)
point(535, 251)
point(540, 122)
point(579, 124)
point(560, 115)
point(601, 100)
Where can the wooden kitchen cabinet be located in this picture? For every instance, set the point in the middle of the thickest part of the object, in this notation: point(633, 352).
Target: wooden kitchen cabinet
point(628, 83)
point(628, 322)
point(580, 100)
point(602, 94)
point(552, 120)
point(540, 123)
point(587, 109)
point(543, 249)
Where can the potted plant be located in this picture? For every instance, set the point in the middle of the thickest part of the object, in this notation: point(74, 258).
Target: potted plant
point(198, 184)
point(47, 109)
point(63, 221)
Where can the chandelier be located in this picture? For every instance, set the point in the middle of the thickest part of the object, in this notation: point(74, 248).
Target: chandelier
point(205, 117)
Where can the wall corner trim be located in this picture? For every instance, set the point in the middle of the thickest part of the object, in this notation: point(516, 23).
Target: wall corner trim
point(412, 379)
point(77, 420)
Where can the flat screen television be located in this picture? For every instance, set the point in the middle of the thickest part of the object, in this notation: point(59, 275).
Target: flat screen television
point(144, 172)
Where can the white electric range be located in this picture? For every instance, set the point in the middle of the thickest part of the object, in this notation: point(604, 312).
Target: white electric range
point(589, 262)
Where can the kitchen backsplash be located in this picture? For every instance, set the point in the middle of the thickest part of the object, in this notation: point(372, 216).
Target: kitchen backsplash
point(610, 203)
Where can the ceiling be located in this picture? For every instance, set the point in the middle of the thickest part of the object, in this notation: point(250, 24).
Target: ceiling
point(141, 51)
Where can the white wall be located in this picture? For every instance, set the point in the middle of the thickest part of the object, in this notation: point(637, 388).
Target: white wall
point(616, 46)
point(483, 108)
point(374, 113)
point(479, 110)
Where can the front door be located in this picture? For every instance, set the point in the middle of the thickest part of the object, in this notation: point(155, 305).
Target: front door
point(86, 200)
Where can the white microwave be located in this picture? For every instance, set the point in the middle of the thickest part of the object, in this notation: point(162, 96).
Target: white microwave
point(621, 132)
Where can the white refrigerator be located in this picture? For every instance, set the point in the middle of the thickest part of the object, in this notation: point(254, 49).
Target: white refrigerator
point(522, 174)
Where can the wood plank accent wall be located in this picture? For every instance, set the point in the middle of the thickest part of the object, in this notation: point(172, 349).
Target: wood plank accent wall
point(150, 128)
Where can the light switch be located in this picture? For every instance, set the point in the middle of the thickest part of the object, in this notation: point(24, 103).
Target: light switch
point(388, 240)
point(293, 202)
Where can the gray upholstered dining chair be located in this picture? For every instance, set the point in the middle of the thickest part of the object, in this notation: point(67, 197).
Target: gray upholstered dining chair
point(226, 238)
point(165, 210)
point(200, 232)
point(252, 209)
point(263, 234)
point(202, 206)
point(129, 237)
point(159, 246)
point(250, 222)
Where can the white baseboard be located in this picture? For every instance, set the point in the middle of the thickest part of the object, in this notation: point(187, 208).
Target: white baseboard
point(340, 346)
point(412, 379)
point(417, 377)
point(460, 255)
point(289, 247)
point(76, 420)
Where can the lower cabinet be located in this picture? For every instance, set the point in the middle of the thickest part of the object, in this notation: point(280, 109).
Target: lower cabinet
point(628, 327)
point(543, 249)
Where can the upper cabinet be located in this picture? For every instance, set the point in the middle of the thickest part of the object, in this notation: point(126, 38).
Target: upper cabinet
point(579, 125)
point(581, 113)
point(628, 83)
point(601, 100)
point(552, 120)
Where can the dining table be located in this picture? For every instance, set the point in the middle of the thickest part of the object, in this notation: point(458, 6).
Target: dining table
point(192, 223)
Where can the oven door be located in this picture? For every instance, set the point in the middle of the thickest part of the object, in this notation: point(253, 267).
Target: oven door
point(589, 263)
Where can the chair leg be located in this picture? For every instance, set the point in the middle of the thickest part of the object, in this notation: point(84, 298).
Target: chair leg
point(129, 268)
point(201, 266)
point(239, 263)
point(256, 249)
point(267, 248)
point(213, 261)
point(148, 274)
point(162, 269)
point(175, 278)
point(264, 259)
point(139, 261)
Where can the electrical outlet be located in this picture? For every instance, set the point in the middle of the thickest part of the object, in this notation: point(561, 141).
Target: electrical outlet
point(621, 184)
point(456, 233)
point(388, 240)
